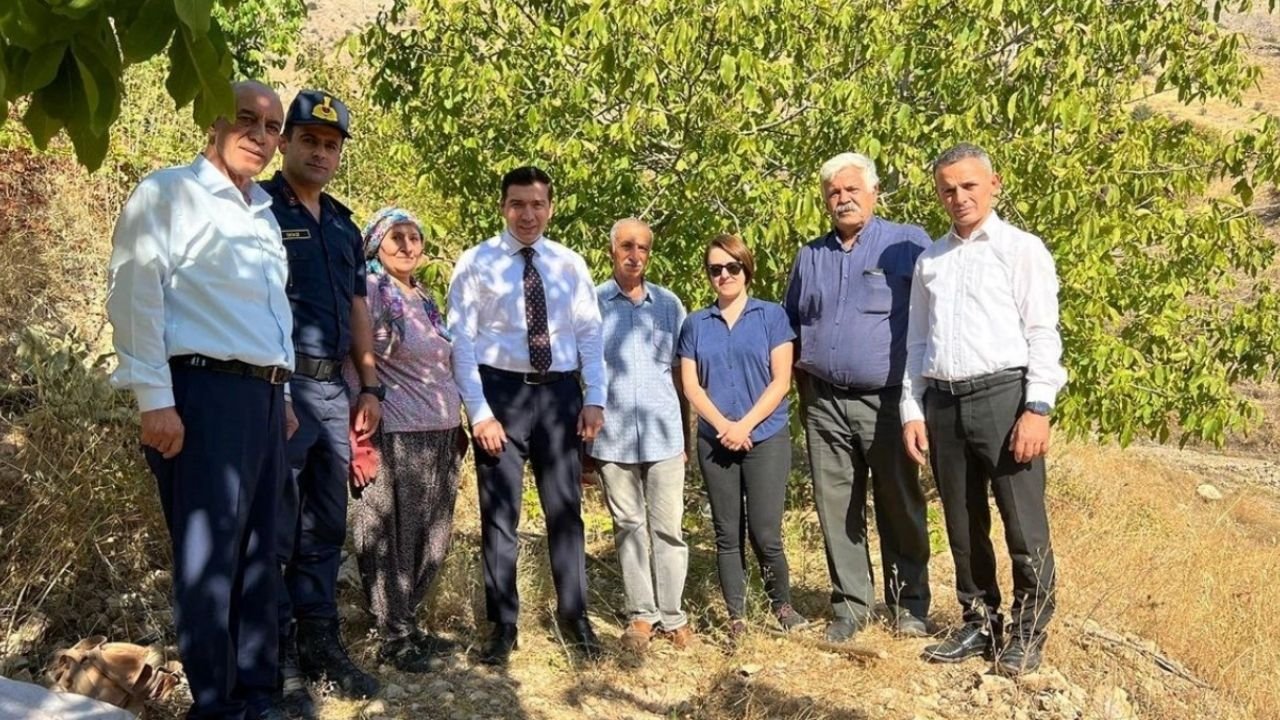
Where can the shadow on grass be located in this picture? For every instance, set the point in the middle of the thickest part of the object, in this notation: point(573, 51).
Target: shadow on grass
point(729, 695)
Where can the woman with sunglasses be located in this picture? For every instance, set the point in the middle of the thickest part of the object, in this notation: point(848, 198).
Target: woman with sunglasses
point(735, 364)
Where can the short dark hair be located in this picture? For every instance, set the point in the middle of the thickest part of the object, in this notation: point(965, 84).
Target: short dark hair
point(526, 175)
point(737, 249)
point(961, 151)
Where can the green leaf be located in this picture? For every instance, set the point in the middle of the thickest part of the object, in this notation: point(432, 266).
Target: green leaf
point(728, 69)
point(183, 82)
point(40, 124)
point(149, 32)
point(200, 72)
point(99, 68)
point(38, 67)
point(194, 14)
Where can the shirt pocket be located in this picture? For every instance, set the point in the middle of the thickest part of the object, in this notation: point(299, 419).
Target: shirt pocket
point(875, 294)
point(664, 347)
point(304, 254)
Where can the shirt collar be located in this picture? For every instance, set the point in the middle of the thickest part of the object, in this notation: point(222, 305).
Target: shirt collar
point(752, 305)
point(613, 291)
point(216, 182)
point(513, 246)
point(869, 232)
point(982, 232)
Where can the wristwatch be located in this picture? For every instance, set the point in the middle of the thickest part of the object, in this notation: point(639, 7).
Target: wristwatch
point(378, 391)
point(1039, 407)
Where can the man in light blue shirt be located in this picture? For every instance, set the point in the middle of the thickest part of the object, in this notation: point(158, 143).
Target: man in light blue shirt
point(202, 329)
point(640, 451)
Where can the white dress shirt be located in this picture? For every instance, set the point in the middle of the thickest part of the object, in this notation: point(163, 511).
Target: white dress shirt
point(983, 304)
point(195, 269)
point(487, 320)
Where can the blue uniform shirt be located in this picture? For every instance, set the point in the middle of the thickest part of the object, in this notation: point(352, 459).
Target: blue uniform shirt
point(642, 412)
point(850, 308)
point(326, 270)
point(733, 364)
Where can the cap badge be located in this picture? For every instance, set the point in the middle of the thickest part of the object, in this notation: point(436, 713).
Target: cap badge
point(325, 110)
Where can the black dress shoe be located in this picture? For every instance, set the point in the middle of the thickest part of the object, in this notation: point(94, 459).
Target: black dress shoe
point(968, 640)
point(497, 651)
point(582, 638)
point(1021, 655)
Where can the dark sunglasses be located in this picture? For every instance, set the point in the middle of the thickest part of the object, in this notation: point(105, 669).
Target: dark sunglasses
point(734, 268)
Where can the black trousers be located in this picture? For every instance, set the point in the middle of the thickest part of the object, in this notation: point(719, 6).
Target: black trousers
point(219, 499)
point(748, 493)
point(541, 424)
point(969, 444)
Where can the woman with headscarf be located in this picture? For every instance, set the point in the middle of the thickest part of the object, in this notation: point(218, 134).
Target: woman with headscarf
point(403, 515)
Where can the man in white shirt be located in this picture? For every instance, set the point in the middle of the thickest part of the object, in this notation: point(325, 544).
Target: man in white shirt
point(983, 370)
point(202, 328)
point(526, 328)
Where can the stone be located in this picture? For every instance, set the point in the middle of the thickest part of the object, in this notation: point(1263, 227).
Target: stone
point(1112, 703)
point(374, 707)
point(1209, 493)
point(749, 669)
point(440, 686)
point(993, 684)
point(392, 691)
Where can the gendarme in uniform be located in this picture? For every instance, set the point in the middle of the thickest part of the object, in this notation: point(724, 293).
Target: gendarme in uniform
point(326, 275)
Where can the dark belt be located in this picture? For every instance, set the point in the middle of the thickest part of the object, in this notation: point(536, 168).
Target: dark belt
point(321, 369)
point(545, 378)
point(974, 384)
point(854, 389)
point(272, 374)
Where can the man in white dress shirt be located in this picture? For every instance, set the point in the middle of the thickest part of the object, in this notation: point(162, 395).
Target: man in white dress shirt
point(526, 328)
point(983, 370)
point(203, 329)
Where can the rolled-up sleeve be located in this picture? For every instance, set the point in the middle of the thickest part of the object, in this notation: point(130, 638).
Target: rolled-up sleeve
point(463, 326)
point(588, 335)
point(138, 270)
point(911, 407)
point(1035, 288)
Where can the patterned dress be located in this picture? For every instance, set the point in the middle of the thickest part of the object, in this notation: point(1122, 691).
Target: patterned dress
point(403, 522)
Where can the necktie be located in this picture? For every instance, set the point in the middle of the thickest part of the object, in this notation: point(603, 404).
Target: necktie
point(535, 314)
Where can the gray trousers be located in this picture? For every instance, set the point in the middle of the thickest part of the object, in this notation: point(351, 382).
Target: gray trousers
point(854, 437)
point(646, 501)
point(969, 450)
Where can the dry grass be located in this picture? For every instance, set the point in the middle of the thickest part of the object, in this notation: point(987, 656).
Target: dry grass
point(1140, 551)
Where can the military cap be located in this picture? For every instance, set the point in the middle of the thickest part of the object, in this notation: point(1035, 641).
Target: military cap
point(313, 107)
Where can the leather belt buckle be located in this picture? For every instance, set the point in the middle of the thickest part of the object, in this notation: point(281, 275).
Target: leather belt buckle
point(278, 375)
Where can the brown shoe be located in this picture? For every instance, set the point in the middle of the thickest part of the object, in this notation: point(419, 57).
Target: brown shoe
point(637, 635)
point(682, 637)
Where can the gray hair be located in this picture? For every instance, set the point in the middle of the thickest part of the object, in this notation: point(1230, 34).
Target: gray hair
point(846, 160)
point(962, 151)
point(617, 227)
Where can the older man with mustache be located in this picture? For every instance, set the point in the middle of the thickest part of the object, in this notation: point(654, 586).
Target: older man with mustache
point(847, 300)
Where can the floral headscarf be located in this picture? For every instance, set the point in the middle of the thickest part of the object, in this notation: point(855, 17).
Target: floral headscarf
point(388, 327)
